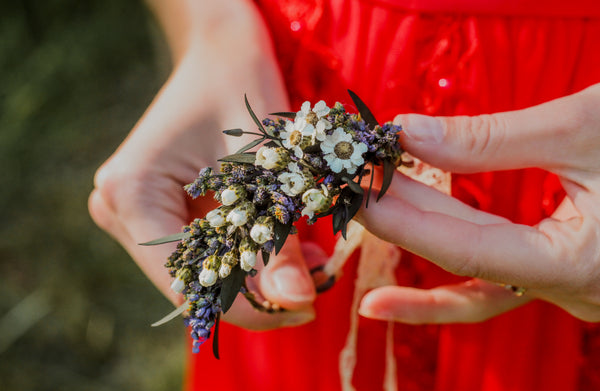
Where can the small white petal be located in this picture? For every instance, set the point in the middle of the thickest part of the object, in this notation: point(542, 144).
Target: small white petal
point(261, 233)
point(229, 197)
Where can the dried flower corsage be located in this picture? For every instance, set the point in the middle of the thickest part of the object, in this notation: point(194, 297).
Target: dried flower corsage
point(310, 163)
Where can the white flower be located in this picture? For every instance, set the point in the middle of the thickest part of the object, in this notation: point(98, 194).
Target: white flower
point(293, 182)
point(271, 158)
point(207, 277)
point(261, 232)
point(238, 216)
point(178, 285)
point(229, 197)
point(294, 133)
point(247, 260)
point(316, 201)
point(341, 152)
point(216, 217)
point(316, 117)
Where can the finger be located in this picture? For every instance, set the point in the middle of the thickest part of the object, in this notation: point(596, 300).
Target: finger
point(244, 315)
point(502, 252)
point(426, 198)
point(541, 136)
point(472, 301)
point(286, 280)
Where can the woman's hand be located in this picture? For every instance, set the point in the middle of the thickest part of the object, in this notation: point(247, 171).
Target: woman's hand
point(558, 260)
point(221, 54)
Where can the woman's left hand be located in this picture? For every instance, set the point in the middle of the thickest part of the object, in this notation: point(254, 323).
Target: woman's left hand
point(558, 260)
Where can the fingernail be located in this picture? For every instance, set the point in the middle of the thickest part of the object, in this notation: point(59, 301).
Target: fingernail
point(423, 128)
point(293, 285)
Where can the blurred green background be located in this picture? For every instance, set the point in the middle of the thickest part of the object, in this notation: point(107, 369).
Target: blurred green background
point(74, 309)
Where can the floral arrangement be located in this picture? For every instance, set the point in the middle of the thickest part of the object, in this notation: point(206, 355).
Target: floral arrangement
point(310, 163)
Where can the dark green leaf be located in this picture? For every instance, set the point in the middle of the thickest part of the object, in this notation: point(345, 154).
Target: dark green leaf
point(280, 234)
point(251, 145)
point(234, 132)
point(388, 173)
point(168, 239)
point(231, 287)
point(355, 187)
point(338, 219)
point(370, 184)
point(345, 222)
point(355, 204)
point(173, 314)
point(254, 117)
point(274, 144)
point(364, 111)
point(285, 114)
point(265, 257)
point(216, 337)
point(248, 158)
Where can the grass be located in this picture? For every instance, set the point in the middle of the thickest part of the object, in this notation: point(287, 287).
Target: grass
point(74, 309)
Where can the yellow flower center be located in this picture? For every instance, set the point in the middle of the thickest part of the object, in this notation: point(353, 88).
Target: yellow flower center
point(296, 137)
point(343, 150)
point(312, 118)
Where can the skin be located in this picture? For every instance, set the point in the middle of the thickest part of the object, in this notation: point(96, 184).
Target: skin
point(558, 260)
point(138, 193)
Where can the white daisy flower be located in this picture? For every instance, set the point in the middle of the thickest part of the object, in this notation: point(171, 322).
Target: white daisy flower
point(341, 152)
point(294, 134)
point(262, 230)
point(238, 217)
point(316, 117)
point(293, 182)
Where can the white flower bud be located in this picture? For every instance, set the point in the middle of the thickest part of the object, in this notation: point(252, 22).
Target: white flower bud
point(216, 217)
point(224, 270)
point(272, 158)
point(316, 201)
point(238, 217)
point(229, 197)
point(247, 260)
point(261, 233)
point(178, 285)
point(207, 277)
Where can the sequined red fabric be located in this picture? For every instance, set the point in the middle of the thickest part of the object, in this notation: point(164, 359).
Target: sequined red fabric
point(440, 61)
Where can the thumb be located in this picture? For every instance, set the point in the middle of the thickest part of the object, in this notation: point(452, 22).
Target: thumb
point(539, 136)
point(286, 280)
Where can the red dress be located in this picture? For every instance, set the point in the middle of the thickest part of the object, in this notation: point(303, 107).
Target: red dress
point(439, 58)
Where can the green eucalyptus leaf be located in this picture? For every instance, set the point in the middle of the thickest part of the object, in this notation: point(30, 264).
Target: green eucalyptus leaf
point(345, 221)
point(251, 145)
point(173, 314)
point(388, 173)
point(231, 287)
point(234, 132)
point(265, 256)
point(280, 234)
point(364, 111)
point(246, 157)
point(355, 187)
point(168, 239)
point(215, 345)
point(285, 114)
point(254, 117)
